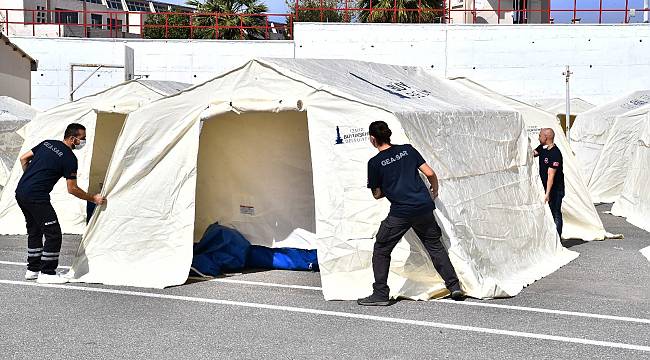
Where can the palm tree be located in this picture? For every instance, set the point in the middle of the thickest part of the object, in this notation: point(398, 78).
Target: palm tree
point(407, 11)
point(331, 14)
point(244, 19)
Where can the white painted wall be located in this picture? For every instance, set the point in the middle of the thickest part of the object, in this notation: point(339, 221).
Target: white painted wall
point(179, 60)
point(523, 61)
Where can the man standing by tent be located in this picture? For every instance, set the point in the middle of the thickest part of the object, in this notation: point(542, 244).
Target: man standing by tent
point(393, 173)
point(43, 166)
point(551, 170)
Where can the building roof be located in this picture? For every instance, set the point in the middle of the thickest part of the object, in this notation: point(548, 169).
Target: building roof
point(6, 41)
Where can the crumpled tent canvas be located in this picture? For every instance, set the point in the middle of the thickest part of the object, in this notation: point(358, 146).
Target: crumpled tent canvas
point(171, 174)
point(591, 130)
point(581, 220)
point(102, 113)
point(618, 156)
point(558, 106)
point(14, 115)
point(633, 202)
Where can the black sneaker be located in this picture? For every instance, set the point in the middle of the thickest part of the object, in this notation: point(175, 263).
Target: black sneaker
point(374, 300)
point(458, 295)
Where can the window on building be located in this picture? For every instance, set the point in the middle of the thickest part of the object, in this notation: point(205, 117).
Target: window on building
point(96, 20)
point(161, 7)
point(135, 5)
point(94, 1)
point(114, 4)
point(40, 14)
point(64, 17)
point(115, 24)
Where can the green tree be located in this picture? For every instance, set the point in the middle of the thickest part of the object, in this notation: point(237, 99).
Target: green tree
point(246, 14)
point(177, 26)
point(406, 13)
point(329, 15)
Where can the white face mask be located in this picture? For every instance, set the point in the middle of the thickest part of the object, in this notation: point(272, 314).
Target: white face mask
point(82, 143)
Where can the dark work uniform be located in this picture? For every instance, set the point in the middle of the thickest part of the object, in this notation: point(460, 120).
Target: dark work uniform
point(552, 158)
point(395, 172)
point(52, 160)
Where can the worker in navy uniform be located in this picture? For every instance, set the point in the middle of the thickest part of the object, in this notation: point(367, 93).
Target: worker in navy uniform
point(551, 171)
point(394, 173)
point(43, 166)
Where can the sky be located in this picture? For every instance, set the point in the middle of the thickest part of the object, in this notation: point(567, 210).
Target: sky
point(279, 7)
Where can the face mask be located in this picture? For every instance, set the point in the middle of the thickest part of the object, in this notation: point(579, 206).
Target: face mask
point(82, 143)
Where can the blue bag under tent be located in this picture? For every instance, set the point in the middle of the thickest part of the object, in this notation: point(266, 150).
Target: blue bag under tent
point(220, 250)
point(260, 257)
point(223, 250)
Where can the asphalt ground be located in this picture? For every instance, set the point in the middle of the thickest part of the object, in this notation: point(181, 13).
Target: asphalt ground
point(596, 307)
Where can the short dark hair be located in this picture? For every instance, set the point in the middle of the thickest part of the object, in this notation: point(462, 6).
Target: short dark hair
point(73, 130)
point(380, 131)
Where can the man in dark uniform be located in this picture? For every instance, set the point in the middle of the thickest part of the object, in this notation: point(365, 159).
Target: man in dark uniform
point(551, 170)
point(394, 173)
point(43, 166)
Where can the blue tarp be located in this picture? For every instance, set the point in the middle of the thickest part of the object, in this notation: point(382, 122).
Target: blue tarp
point(223, 249)
point(261, 257)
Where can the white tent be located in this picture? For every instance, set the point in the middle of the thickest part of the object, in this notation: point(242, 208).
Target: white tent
point(103, 115)
point(558, 106)
point(618, 155)
point(591, 129)
point(581, 220)
point(634, 200)
point(14, 115)
point(646, 252)
point(281, 144)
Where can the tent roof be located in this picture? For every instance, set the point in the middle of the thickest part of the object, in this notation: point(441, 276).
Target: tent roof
point(558, 106)
point(382, 85)
point(165, 88)
point(14, 110)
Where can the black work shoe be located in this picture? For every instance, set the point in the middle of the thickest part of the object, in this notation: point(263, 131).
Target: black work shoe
point(374, 300)
point(458, 295)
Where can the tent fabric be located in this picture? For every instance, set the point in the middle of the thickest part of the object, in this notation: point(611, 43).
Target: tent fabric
point(617, 156)
point(113, 104)
point(633, 202)
point(645, 252)
point(581, 220)
point(558, 106)
point(591, 129)
point(14, 115)
point(501, 237)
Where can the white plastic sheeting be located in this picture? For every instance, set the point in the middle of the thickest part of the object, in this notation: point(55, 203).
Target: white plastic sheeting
point(14, 115)
point(558, 106)
point(591, 129)
point(581, 220)
point(500, 235)
point(618, 155)
point(634, 200)
point(51, 124)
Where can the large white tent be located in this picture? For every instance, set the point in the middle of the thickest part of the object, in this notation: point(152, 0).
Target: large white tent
point(618, 156)
point(278, 145)
point(581, 220)
point(633, 201)
point(14, 115)
point(591, 129)
point(103, 115)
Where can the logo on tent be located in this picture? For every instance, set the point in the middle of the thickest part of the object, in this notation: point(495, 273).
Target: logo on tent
point(351, 135)
point(398, 88)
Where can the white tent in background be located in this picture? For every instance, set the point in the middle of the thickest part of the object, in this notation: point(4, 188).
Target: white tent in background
point(591, 129)
point(14, 115)
point(103, 115)
point(634, 200)
point(558, 106)
point(581, 220)
point(279, 145)
point(618, 156)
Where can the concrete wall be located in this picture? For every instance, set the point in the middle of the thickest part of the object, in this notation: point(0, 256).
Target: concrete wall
point(15, 74)
point(523, 61)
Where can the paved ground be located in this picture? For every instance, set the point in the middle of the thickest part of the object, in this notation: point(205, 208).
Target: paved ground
point(597, 307)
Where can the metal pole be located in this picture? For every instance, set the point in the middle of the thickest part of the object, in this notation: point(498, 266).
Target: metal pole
point(646, 4)
point(567, 115)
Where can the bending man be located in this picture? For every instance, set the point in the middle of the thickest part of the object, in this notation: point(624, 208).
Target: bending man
point(393, 173)
point(43, 166)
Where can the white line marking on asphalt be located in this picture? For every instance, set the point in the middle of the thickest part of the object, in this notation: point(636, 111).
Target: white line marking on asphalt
point(474, 329)
point(464, 303)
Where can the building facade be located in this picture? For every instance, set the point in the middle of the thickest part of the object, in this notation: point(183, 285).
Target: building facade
point(16, 68)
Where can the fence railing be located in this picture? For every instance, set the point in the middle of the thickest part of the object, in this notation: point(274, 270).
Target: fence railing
point(196, 25)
